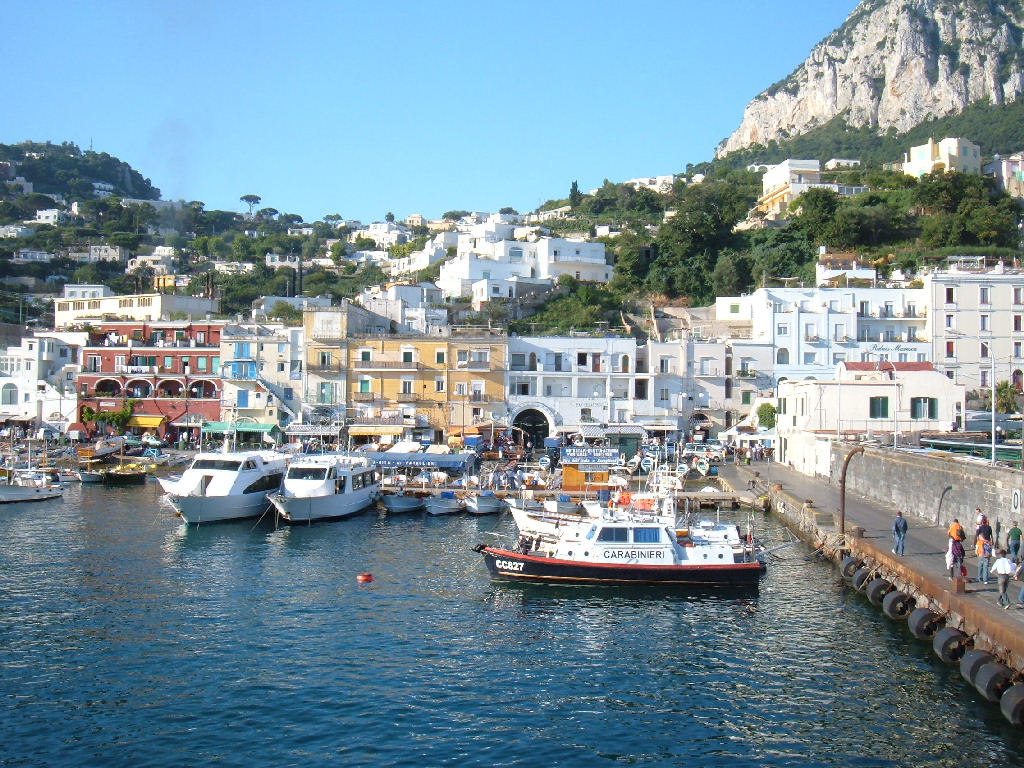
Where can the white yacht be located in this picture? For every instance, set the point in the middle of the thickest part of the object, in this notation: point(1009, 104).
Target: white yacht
point(225, 486)
point(328, 486)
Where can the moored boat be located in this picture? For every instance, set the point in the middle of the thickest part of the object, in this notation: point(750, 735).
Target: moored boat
point(396, 503)
point(229, 485)
point(326, 487)
point(484, 503)
point(445, 503)
point(29, 485)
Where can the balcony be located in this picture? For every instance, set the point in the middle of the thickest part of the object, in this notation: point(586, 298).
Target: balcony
point(746, 373)
point(325, 369)
point(406, 397)
point(135, 369)
point(708, 373)
point(386, 365)
point(474, 365)
point(364, 397)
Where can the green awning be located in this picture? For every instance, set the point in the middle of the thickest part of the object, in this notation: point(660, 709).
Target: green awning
point(224, 428)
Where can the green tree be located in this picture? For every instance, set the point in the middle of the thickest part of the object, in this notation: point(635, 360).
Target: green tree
point(389, 217)
point(766, 415)
point(575, 196)
point(252, 201)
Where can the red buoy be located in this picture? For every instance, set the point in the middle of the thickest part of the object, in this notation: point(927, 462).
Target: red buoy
point(364, 578)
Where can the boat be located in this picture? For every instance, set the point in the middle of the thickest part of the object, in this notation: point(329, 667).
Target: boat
point(101, 449)
point(548, 517)
point(125, 474)
point(621, 548)
point(227, 485)
point(484, 503)
point(326, 487)
point(29, 485)
point(446, 503)
point(401, 501)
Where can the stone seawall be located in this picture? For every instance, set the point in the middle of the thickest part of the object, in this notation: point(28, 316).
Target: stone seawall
point(934, 489)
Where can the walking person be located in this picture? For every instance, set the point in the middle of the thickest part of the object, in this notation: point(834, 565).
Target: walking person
point(1003, 569)
point(983, 548)
point(1013, 542)
point(899, 534)
point(983, 529)
point(956, 558)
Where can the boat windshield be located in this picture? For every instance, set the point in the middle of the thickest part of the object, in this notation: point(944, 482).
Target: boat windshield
point(307, 473)
point(228, 464)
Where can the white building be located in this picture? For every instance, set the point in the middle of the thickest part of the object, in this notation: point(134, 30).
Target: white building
point(144, 307)
point(862, 400)
point(27, 256)
point(660, 184)
point(261, 370)
point(412, 308)
point(384, 233)
point(16, 230)
point(51, 216)
point(434, 251)
point(101, 253)
point(266, 304)
point(1008, 173)
point(275, 260)
point(949, 154)
point(161, 260)
point(233, 267)
point(86, 291)
point(977, 324)
point(37, 379)
point(504, 260)
point(570, 383)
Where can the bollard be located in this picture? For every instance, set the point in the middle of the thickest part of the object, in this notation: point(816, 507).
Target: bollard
point(857, 532)
point(959, 586)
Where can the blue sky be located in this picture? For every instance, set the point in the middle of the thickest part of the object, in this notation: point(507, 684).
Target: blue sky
point(360, 109)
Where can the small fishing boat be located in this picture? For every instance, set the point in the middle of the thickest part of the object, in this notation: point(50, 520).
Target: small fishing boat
point(396, 503)
point(29, 485)
point(445, 503)
point(326, 487)
point(101, 449)
point(484, 503)
point(125, 474)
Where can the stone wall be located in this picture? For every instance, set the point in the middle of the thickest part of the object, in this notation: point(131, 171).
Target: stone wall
point(931, 488)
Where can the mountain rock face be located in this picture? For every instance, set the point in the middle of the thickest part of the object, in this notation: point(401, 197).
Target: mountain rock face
point(894, 64)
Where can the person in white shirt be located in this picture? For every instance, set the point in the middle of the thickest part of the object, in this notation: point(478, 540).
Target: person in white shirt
point(1003, 568)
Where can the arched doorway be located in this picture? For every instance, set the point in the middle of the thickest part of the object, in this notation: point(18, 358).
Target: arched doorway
point(9, 395)
point(534, 425)
point(782, 357)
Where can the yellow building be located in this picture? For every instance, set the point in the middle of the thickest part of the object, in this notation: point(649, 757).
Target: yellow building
point(424, 388)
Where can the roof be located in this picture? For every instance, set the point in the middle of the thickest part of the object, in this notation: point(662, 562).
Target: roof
point(887, 365)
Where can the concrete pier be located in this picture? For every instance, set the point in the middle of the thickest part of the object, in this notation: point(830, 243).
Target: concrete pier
point(810, 507)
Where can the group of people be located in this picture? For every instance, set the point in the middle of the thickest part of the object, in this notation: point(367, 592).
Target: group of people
point(1007, 563)
point(748, 453)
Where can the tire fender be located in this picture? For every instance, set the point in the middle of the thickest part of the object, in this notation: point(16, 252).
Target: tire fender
point(877, 589)
point(949, 644)
point(924, 623)
point(896, 604)
point(1012, 704)
point(860, 577)
point(992, 680)
point(971, 662)
point(849, 566)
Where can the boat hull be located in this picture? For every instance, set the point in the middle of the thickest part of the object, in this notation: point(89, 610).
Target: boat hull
point(440, 506)
point(125, 478)
point(398, 504)
point(485, 505)
point(510, 565)
point(297, 510)
point(13, 494)
point(211, 509)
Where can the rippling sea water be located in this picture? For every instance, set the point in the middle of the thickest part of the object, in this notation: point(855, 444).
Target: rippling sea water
point(129, 639)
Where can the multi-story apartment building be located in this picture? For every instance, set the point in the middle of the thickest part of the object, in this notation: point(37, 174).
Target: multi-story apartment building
point(424, 388)
point(171, 370)
point(976, 325)
point(561, 384)
point(37, 379)
point(261, 370)
point(785, 182)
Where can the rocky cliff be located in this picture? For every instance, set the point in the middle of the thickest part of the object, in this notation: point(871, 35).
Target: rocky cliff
point(894, 64)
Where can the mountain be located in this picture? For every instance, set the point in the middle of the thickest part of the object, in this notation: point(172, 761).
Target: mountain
point(66, 170)
point(892, 65)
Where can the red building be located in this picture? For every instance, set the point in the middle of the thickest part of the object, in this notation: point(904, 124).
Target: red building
point(171, 368)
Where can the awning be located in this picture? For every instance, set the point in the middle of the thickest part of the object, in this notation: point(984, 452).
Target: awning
point(625, 429)
point(223, 427)
point(313, 430)
point(362, 430)
point(584, 430)
point(145, 422)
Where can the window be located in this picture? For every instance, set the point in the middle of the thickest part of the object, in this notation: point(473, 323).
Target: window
point(280, 367)
point(950, 295)
point(439, 356)
point(1018, 322)
point(838, 357)
point(902, 357)
point(406, 355)
point(839, 332)
point(243, 398)
point(406, 386)
point(984, 294)
point(439, 384)
point(364, 385)
point(984, 349)
point(646, 535)
point(878, 407)
point(663, 394)
point(950, 322)
point(983, 321)
point(808, 358)
point(782, 357)
point(640, 389)
point(480, 355)
point(581, 359)
point(462, 356)
point(950, 350)
point(745, 398)
point(364, 355)
point(665, 365)
point(613, 533)
point(924, 408)
point(460, 388)
point(782, 330)
point(734, 309)
point(325, 359)
point(1018, 294)
point(1017, 346)
point(984, 377)
point(200, 363)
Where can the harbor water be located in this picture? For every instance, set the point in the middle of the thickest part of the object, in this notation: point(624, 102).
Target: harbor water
point(127, 639)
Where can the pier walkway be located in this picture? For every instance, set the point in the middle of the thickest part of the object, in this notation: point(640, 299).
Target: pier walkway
point(921, 572)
